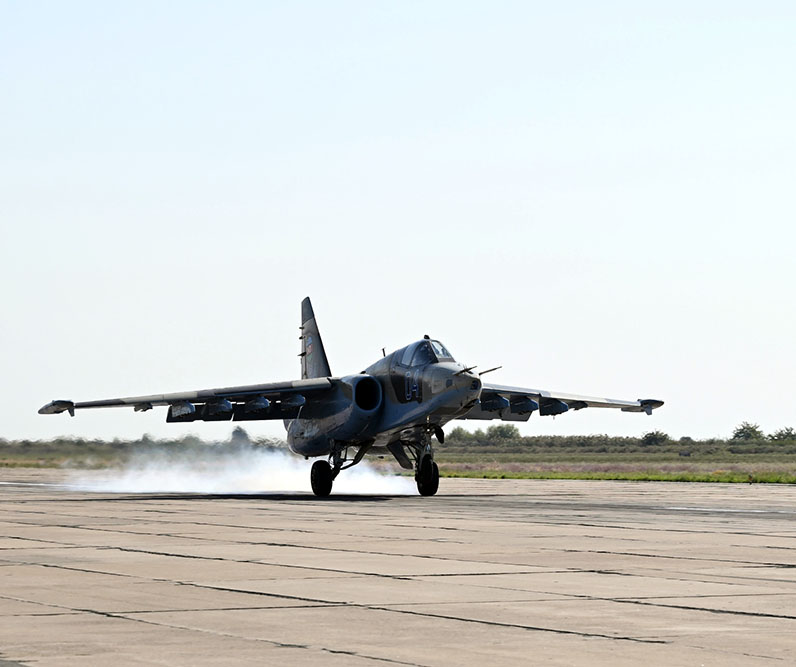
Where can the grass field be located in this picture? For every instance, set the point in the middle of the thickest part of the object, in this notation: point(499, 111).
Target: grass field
point(769, 468)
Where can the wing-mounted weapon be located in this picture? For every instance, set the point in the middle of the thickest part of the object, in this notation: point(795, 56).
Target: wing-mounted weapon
point(518, 403)
point(275, 400)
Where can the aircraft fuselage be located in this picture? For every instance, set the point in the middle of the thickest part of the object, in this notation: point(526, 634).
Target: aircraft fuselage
point(390, 401)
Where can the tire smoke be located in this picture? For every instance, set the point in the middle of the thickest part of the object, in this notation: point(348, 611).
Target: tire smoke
point(227, 468)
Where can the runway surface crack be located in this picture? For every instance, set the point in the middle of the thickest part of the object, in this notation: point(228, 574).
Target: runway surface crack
point(518, 626)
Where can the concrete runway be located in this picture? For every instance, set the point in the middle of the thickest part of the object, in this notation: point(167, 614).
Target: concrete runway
point(486, 573)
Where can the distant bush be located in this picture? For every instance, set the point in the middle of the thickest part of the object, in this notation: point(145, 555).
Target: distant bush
point(654, 438)
point(783, 434)
point(505, 432)
point(460, 436)
point(747, 431)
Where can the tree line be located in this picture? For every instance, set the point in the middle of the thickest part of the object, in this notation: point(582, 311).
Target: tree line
point(747, 437)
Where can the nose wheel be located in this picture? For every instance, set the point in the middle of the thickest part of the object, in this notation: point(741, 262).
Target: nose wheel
point(427, 476)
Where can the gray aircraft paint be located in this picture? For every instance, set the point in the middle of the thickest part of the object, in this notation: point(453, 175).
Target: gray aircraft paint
point(394, 406)
point(314, 363)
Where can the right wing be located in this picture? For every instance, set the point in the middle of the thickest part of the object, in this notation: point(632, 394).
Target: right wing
point(517, 403)
point(274, 400)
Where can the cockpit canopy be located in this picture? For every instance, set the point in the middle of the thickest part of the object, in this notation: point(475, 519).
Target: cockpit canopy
point(423, 352)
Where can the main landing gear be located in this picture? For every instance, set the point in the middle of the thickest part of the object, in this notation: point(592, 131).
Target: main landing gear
point(323, 473)
point(321, 478)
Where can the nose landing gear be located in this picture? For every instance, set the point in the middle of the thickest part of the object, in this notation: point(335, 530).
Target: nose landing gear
point(426, 470)
point(427, 476)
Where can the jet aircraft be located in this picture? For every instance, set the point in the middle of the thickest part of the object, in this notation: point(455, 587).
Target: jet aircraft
point(395, 405)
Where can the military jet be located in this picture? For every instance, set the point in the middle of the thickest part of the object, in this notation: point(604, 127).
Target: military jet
point(394, 406)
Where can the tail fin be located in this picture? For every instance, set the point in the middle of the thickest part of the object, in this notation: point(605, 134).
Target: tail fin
point(313, 357)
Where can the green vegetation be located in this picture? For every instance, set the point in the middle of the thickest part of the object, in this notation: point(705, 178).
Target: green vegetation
point(783, 435)
point(747, 431)
point(505, 438)
point(83, 453)
point(640, 476)
point(499, 452)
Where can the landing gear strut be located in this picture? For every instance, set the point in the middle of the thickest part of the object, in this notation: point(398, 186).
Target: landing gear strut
point(323, 473)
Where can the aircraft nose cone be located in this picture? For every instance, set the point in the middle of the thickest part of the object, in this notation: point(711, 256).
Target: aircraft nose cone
point(472, 385)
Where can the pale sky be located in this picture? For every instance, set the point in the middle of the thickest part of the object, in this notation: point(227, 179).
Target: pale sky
point(598, 196)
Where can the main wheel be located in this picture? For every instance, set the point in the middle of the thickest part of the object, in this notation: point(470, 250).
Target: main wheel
point(428, 477)
point(321, 478)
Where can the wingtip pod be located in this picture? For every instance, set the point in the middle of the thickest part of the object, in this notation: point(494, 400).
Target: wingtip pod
point(645, 405)
point(57, 407)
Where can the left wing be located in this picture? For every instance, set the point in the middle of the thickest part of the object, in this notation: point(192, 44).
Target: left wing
point(517, 403)
point(274, 400)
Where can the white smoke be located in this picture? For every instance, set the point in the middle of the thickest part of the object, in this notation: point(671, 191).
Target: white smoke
point(233, 469)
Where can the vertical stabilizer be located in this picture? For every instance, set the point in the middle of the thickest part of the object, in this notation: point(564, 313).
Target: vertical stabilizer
point(313, 357)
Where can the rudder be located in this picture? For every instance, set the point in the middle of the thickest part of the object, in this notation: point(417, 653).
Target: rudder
point(313, 357)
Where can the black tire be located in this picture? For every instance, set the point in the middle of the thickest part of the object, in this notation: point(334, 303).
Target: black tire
point(428, 477)
point(321, 478)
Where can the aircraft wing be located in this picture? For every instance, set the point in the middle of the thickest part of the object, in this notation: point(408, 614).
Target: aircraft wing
point(518, 403)
point(275, 400)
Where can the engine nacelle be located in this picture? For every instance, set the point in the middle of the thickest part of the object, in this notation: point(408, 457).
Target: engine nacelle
point(349, 414)
point(365, 398)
